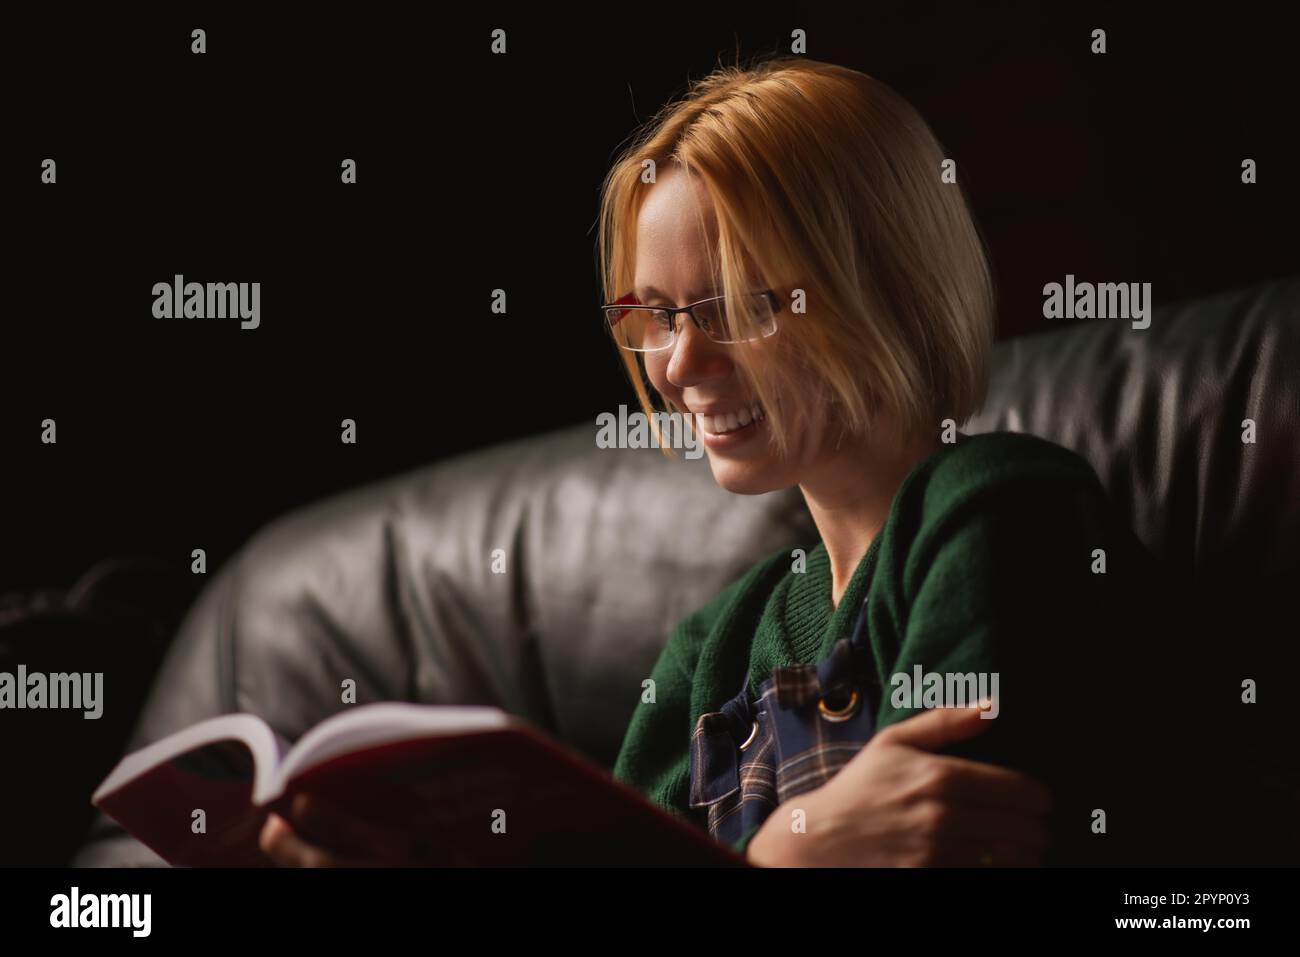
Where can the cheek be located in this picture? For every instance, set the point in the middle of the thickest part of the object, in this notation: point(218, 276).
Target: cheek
point(656, 370)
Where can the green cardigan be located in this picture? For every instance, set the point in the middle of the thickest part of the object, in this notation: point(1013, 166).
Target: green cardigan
point(986, 563)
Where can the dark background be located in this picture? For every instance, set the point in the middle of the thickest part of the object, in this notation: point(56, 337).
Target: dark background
point(478, 172)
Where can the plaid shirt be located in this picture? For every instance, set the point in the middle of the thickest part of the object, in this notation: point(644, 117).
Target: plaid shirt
point(809, 720)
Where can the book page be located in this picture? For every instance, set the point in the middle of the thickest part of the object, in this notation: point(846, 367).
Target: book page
point(373, 725)
point(266, 747)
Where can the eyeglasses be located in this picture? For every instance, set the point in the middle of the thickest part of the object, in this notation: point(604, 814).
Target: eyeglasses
point(640, 328)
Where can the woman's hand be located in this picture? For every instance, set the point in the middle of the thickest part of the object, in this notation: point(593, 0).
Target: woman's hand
point(896, 804)
point(320, 834)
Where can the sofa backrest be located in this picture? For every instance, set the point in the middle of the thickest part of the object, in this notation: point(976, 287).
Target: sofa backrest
point(1159, 414)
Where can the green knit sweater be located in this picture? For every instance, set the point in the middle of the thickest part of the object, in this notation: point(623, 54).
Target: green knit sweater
point(986, 563)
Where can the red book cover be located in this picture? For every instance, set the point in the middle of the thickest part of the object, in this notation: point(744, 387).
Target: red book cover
point(483, 788)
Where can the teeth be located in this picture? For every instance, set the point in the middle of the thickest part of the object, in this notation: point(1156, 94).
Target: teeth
point(731, 421)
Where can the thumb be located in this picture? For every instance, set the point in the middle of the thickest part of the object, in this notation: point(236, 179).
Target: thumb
point(939, 727)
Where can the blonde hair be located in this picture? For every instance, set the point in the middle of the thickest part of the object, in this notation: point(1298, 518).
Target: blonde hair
point(826, 181)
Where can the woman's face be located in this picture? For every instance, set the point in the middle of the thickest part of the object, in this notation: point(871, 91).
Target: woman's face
point(698, 374)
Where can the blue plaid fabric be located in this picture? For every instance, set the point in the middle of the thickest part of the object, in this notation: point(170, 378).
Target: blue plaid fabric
point(809, 720)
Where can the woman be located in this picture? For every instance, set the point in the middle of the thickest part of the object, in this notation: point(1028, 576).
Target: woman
point(839, 328)
point(852, 334)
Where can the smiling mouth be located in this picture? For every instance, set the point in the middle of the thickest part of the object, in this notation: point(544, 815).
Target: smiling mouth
point(731, 421)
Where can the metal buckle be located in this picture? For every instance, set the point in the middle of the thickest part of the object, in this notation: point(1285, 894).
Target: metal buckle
point(839, 714)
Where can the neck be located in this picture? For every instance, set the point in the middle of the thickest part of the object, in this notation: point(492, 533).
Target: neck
point(851, 494)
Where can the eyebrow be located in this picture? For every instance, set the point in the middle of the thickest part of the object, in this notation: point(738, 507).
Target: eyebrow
point(650, 291)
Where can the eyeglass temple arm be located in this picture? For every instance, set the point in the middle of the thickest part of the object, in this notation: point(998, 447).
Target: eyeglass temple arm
point(631, 300)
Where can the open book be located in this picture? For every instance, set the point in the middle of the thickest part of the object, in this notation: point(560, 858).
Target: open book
point(483, 787)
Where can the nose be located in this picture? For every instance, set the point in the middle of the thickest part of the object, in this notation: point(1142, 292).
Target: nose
point(695, 357)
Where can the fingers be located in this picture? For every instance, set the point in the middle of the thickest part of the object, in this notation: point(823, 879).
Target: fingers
point(279, 842)
point(320, 834)
point(961, 779)
point(978, 784)
point(326, 824)
point(936, 728)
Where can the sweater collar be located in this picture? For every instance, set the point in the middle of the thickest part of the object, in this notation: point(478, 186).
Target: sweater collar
point(800, 615)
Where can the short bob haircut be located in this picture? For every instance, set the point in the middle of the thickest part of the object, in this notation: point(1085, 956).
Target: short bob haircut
point(828, 188)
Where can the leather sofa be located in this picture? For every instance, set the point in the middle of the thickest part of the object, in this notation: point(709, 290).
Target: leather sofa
point(391, 584)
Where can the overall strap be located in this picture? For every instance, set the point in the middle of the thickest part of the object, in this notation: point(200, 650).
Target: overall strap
point(861, 658)
point(859, 637)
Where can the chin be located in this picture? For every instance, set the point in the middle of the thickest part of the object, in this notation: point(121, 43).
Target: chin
point(744, 478)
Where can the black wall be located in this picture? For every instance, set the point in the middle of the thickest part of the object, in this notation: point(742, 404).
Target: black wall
point(478, 172)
